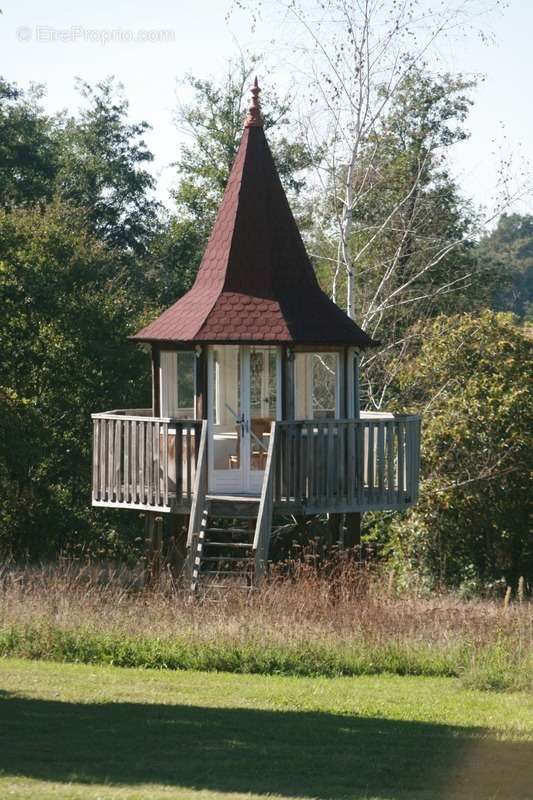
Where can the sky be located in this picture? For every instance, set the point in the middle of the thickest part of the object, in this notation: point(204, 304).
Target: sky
point(55, 42)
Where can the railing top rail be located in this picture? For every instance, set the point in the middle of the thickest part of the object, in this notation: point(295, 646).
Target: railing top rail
point(132, 412)
point(388, 415)
point(121, 415)
point(365, 417)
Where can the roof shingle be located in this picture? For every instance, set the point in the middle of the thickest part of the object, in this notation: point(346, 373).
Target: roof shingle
point(256, 282)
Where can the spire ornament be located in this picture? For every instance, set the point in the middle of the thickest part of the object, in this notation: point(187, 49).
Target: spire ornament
point(254, 118)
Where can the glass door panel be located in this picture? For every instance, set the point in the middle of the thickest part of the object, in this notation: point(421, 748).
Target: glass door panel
point(263, 402)
point(226, 420)
point(244, 400)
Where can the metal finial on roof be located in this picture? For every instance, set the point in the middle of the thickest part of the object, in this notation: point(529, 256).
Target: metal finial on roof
point(254, 118)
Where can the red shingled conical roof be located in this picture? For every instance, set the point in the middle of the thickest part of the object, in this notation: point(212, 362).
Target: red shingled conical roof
point(256, 282)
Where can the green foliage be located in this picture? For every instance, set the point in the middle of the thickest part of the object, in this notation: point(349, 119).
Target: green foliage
point(500, 665)
point(472, 522)
point(408, 208)
point(29, 147)
point(213, 123)
point(87, 256)
point(411, 243)
point(103, 169)
point(506, 258)
point(68, 307)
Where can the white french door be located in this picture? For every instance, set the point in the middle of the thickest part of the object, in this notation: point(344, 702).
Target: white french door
point(243, 400)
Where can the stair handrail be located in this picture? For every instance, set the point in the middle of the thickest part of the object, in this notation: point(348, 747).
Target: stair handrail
point(200, 487)
point(263, 526)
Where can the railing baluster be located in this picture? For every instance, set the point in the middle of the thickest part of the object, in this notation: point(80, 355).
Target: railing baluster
point(342, 466)
point(103, 456)
point(165, 464)
point(96, 459)
point(134, 462)
point(321, 463)
point(410, 458)
point(117, 460)
point(179, 463)
point(302, 483)
point(390, 464)
point(278, 493)
point(417, 426)
point(330, 465)
point(188, 461)
point(401, 460)
point(157, 463)
point(360, 462)
point(149, 463)
point(297, 463)
point(310, 436)
point(380, 462)
point(110, 462)
point(126, 459)
point(371, 456)
point(287, 462)
point(350, 462)
point(142, 462)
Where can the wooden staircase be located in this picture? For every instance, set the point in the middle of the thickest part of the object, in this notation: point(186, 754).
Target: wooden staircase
point(222, 552)
point(229, 535)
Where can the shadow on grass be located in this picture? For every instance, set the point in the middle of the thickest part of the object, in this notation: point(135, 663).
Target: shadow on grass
point(242, 750)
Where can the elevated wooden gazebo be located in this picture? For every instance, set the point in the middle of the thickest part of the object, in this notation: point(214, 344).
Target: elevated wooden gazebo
point(255, 406)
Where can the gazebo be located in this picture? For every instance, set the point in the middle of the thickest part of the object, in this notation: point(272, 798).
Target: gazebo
point(255, 401)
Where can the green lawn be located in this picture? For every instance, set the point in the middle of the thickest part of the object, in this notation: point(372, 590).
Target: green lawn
point(73, 731)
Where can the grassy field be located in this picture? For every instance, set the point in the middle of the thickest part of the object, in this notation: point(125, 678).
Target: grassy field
point(347, 624)
point(80, 732)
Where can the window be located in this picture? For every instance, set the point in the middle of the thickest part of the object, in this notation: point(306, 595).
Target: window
point(177, 374)
point(316, 384)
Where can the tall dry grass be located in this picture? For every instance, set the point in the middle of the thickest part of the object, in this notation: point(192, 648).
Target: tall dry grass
point(341, 618)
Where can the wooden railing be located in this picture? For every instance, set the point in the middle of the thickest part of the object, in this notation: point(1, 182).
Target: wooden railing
point(199, 489)
point(263, 528)
point(144, 462)
point(343, 465)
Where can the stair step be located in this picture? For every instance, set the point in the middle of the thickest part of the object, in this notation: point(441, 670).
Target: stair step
point(241, 587)
point(230, 530)
point(239, 559)
point(225, 572)
point(236, 508)
point(234, 498)
point(245, 545)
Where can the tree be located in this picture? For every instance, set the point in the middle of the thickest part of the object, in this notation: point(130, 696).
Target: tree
point(213, 124)
point(103, 169)
point(421, 261)
point(29, 147)
point(472, 521)
point(358, 65)
point(68, 306)
point(506, 256)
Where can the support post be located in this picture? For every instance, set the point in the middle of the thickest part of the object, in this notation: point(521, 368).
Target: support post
point(177, 550)
point(352, 532)
point(156, 382)
point(201, 384)
point(153, 537)
point(335, 529)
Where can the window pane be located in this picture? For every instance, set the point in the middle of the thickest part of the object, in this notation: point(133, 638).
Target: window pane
point(263, 386)
point(186, 384)
point(324, 385)
point(227, 431)
point(315, 379)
